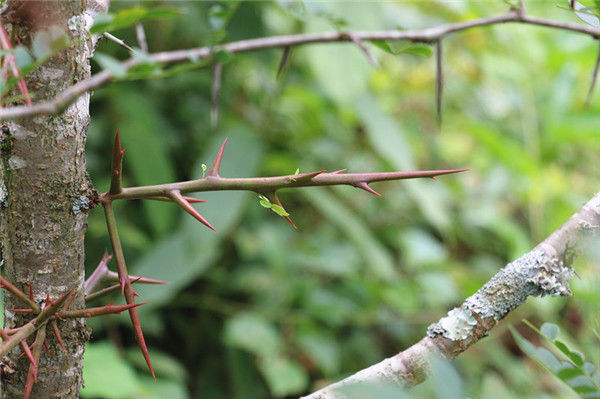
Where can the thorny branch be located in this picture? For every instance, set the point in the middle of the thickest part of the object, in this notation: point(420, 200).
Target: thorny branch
point(428, 35)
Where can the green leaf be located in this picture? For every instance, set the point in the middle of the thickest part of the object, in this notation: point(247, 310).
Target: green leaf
point(577, 358)
point(253, 333)
point(562, 347)
point(264, 202)
point(420, 50)
point(550, 330)
point(284, 376)
point(569, 372)
point(383, 45)
point(114, 66)
point(128, 17)
point(106, 375)
point(585, 389)
point(279, 210)
point(223, 56)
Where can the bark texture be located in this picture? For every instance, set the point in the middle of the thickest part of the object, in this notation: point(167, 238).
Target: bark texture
point(44, 197)
point(543, 271)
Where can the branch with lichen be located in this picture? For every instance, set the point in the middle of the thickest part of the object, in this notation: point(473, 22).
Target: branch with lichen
point(543, 271)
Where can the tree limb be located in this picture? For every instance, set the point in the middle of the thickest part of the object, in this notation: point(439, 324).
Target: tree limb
point(428, 35)
point(543, 271)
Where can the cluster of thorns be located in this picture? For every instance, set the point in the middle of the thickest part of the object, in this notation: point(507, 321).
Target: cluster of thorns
point(57, 310)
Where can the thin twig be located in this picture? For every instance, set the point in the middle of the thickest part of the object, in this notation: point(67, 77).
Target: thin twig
point(428, 35)
point(359, 43)
point(594, 78)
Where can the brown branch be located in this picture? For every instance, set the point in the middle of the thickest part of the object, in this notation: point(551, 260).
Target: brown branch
point(29, 328)
point(428, 35)
point(543, 271)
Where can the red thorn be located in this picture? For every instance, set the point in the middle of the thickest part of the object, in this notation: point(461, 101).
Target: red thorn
point(139, 337)
point(214, 169)
point(47, 302)
point(123, 150)
point(193, 200)
point(28, 353)
point(335, 172)
point(308, 176)
point(58, 337)
point(58, 316)
point(366, 187)
point(433, 177)
point(135, 293)
point(20, 310)
point(47, 350)
point(279, 203)
point(122, 282)
point(30, 291)
point(88, 315)
point(69, 301)
point(178, 198)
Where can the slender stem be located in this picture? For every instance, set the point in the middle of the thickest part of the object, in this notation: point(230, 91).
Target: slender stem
point(428, 35)
point(269, 184)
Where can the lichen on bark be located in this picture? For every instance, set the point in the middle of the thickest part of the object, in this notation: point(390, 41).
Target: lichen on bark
point(43, 174)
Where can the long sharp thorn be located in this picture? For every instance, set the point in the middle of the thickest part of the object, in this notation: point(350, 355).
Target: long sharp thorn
point(434, 178)
point(30, 291)
point(20, 310)
point(366, 187)
point(40, 338)
point(191, 200)
point(139, 337)
point(58, 336)
point(439, 82)
point(337, 172)
point(116, 166)
point(100, 310)
point(69, 301)
point(122, 283)
point(588, 100)
point(216, 165)
point(276, 198)
point(308, 176)
point(19, 294)
point(359, 43)
point(177, 197)
point(287, 50)
point(47, 348)
point(28, 353)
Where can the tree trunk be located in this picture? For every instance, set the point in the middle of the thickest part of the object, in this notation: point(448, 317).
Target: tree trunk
point(44, 197)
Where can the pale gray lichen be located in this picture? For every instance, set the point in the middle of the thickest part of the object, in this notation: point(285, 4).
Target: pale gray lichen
point(456, 326)
point(3, 194)
point(81, 204)
point(535, 273)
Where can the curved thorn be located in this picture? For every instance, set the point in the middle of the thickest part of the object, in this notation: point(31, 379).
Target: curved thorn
point(216, 165)
point(178, 198)
point(366, 187)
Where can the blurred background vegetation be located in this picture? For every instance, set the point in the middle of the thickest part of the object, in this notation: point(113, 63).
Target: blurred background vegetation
point(260, 310)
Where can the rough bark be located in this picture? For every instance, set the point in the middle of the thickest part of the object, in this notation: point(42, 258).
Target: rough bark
point(543, 271)
point(44, 191)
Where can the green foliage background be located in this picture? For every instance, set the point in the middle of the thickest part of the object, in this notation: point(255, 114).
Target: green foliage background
point(261, 310)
